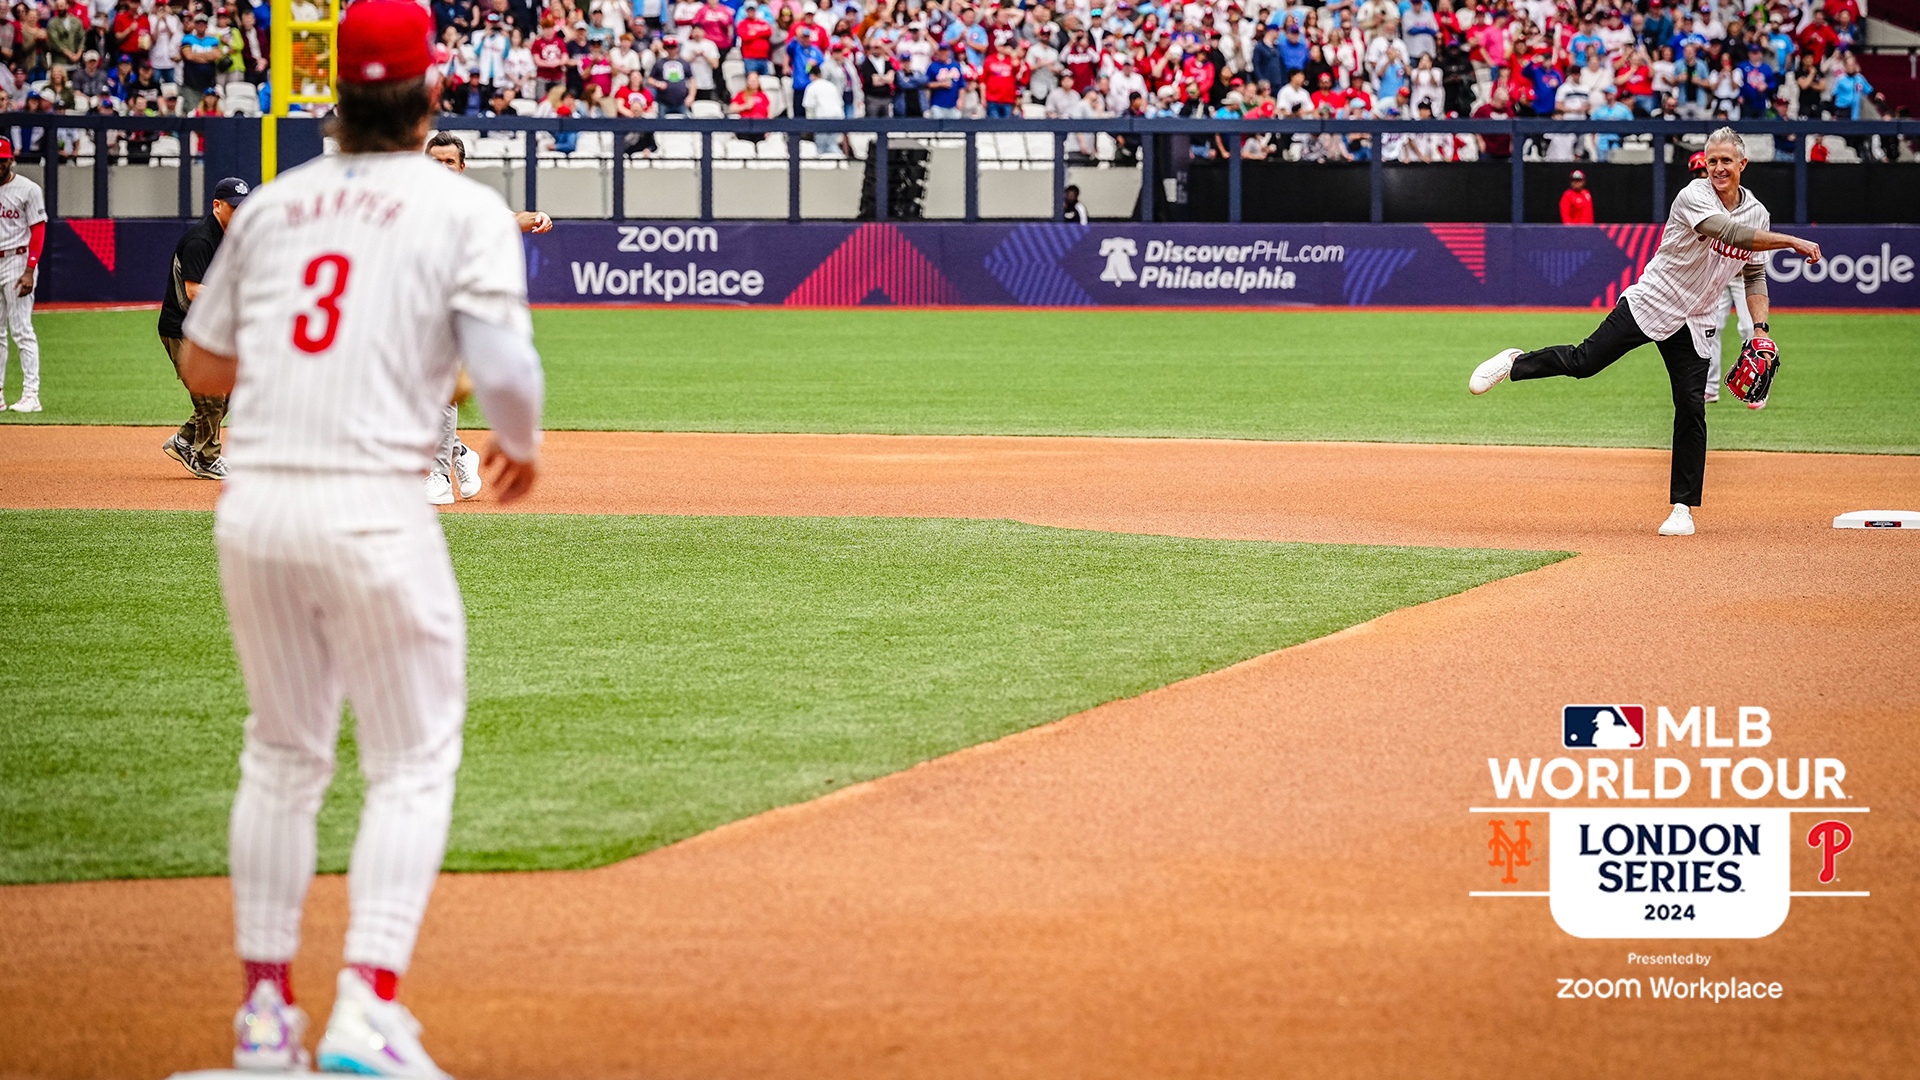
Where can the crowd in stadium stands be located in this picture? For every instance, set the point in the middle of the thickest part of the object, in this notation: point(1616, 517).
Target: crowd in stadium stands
point(1572, 59)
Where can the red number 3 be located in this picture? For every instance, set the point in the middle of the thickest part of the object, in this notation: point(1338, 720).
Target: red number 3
point(304, 338)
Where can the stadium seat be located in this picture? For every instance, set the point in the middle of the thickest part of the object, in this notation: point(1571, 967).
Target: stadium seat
point(678, 144)
point(524, 107)
point(734, 75)
point(706, 110)
point(774, 147)
point(733, 149)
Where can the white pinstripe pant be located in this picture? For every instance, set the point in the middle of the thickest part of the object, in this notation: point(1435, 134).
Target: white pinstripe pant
point(16, 312)
point(340, 586)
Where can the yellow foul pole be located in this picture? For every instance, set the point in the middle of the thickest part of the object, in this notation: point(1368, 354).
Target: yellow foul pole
point(313, 90)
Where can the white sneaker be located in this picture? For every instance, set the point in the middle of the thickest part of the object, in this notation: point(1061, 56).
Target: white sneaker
point(26, 404)
point(439, 489)
point(372, 1037)
point(466, 470)
point(270, 1034)
point(1712, 395)
point(1678, 523)
point(1492, 372)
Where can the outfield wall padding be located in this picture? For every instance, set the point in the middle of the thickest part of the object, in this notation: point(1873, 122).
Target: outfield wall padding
point(1034, 264)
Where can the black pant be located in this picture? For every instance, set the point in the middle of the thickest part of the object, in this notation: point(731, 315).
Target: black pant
point(1617, 336)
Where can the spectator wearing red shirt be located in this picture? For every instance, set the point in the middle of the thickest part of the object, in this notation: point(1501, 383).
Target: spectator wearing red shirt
point(716, 19)
point(1325, 96)
point(812, 33)
point(1495, 146)
point(756, 43)
point(1001, 76)
point(550, 59)
point(751, 103)
point(1082, 62)
point(132, 34)
point(1818, 38)
point(596, 69)
point(1576, 203)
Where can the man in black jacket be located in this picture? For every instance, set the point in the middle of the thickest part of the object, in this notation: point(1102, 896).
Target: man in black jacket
point(197, 444)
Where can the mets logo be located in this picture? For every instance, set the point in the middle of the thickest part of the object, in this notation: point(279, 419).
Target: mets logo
point(1603, 727)
point(1510, 850)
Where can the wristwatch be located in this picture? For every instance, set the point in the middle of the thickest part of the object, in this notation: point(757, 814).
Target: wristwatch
point(1762, 326)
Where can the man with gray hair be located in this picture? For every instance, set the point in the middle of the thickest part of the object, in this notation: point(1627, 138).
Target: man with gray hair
point(1716, 231)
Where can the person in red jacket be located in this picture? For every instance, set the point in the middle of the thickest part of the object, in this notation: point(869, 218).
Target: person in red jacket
point(1001, 77)
point(756, 43)
point(1576, 203)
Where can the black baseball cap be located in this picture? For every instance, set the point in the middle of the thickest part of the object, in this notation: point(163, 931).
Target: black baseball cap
point(231, 190)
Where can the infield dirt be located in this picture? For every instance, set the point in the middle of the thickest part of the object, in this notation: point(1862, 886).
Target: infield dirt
point(1263, 871)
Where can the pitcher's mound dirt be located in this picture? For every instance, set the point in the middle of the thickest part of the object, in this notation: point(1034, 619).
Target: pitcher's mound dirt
point(1261, 872)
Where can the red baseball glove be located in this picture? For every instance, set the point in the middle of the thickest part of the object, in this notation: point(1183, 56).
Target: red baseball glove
point(1751, 380)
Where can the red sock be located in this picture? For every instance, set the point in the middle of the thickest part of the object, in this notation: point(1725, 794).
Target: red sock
point(384, 982)
point(259, 971)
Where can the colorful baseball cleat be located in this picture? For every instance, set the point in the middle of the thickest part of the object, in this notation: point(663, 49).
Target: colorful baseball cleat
point(269, 1034)
point(1493, 371)
point(183, 452)
point(371, 1037)
point(1678, 523)
point(466, 470)
point(439, 489)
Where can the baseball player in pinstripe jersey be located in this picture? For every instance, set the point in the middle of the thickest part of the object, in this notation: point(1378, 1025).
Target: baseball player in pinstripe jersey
point(1732, 299)
point(23, 232)
point(1716, 231)
point(454, 464)
point(346, 296)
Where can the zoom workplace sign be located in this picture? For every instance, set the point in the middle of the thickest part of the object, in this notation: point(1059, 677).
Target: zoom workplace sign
point(1041, 264)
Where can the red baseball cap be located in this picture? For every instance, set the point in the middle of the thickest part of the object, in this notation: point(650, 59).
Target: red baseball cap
point(385, 41)
point(1697, 161)
point(6, 148)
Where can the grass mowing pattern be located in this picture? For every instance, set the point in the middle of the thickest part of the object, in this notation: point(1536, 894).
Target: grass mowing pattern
point(637, 680)
point(1845, 385)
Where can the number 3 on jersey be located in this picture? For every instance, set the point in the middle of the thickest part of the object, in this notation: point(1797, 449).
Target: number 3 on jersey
point(326, 306)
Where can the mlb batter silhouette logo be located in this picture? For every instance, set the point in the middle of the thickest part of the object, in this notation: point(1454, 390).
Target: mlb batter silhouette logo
point(1603, 727)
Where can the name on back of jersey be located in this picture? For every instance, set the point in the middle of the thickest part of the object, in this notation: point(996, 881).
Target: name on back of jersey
point(366, 206)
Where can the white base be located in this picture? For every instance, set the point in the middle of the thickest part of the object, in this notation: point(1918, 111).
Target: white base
point(1878, 519)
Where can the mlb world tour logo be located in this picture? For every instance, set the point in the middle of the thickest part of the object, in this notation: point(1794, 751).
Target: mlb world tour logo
point(1640, 864)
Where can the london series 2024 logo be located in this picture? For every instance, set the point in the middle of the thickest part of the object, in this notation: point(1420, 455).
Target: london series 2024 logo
point(1664, 846)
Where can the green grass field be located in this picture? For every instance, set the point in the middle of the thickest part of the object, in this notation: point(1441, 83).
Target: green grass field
point(636, 680)
point(1846, 383)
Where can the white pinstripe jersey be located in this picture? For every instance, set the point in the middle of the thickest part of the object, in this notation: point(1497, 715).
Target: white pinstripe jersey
point(336, 287)
point(1682, 284)
point(22, 206)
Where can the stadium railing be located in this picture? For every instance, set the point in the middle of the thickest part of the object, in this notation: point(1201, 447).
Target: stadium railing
point(233, 142)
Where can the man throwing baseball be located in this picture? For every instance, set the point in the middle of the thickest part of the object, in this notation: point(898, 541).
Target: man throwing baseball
point(454, 465)
point(23, 232)
point(345, 297)
point(1716, 231)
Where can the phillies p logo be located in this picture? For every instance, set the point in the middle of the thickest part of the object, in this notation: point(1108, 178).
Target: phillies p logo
point(1832, 838)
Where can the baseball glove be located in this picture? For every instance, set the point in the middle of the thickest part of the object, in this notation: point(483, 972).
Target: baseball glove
point(1751, 380)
